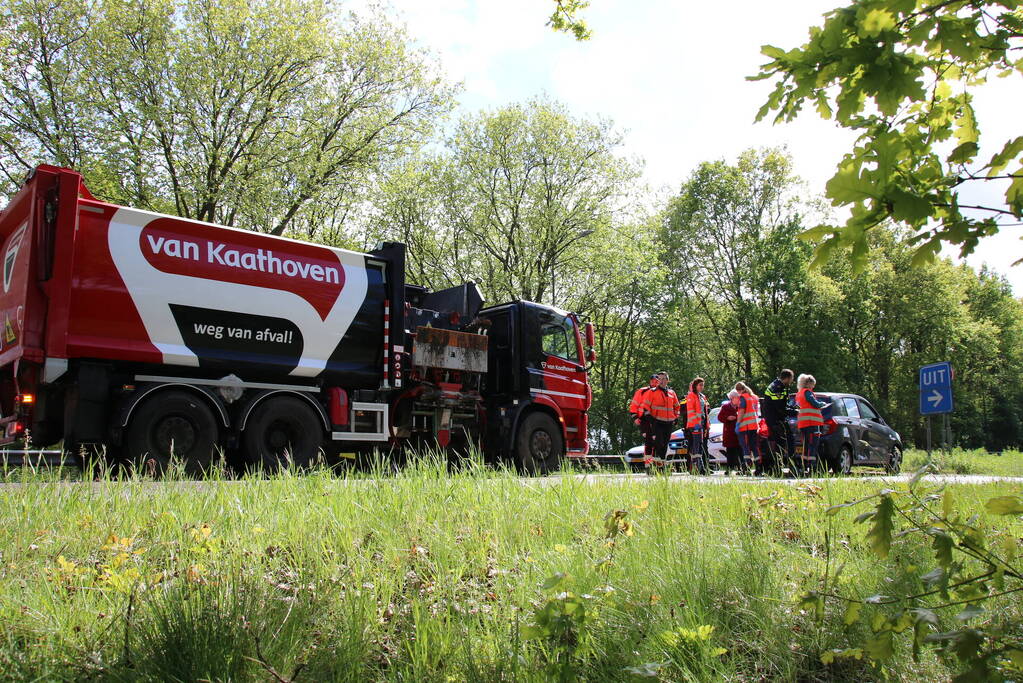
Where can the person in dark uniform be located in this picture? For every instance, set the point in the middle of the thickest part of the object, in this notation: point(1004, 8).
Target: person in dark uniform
point(781, 443)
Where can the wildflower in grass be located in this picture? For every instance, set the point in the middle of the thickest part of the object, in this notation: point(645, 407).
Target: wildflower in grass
point(615, 524)
point(699, 634)
point(121, 545)
point(121, 580)
point(558, 547)
point(196, 573)
point(69, 574)
point(201, 533)
point(203, 540)
point(642, 505)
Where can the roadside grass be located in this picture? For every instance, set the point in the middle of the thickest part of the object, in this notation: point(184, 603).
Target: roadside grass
point(429, 575)
point(1008, 463)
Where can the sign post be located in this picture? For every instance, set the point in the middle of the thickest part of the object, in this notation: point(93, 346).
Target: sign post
point(936, 397)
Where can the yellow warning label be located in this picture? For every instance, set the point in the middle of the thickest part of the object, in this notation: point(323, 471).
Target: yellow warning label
point(9, 335)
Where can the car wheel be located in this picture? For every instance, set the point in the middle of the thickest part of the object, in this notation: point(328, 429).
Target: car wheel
point(843, 463)
point(539, 446)
point(894, 463)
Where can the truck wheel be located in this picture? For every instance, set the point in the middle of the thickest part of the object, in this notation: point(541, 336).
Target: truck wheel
point(171, 425)
point(282, 430)
point(539, 446)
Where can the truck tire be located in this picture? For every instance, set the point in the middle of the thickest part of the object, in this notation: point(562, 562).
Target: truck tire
point(171, 425)
point(539, 445)
point(282, 430)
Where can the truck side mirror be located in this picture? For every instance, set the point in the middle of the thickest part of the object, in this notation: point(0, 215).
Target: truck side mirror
point(591, 339)
point(591, 355)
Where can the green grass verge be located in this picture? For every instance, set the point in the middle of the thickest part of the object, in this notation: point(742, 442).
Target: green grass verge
point(964, 461)
point(431, 576)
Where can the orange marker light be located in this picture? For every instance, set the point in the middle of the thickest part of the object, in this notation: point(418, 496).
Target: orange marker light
point(25, 398)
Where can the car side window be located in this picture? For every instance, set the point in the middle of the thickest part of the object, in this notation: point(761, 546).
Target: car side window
point(837, 407)
point(866, 411)
point(850, 407)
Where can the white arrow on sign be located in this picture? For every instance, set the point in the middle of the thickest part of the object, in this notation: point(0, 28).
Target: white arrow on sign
point(935, 398)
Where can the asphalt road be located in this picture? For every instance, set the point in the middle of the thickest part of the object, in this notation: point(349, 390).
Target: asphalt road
point(54, 458)
point(609, 477)
point(725, 480)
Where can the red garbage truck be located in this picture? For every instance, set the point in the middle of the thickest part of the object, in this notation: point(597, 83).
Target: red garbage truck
point(153, 338)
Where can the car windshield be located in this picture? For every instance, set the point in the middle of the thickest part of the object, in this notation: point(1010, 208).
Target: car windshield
point(713, 417)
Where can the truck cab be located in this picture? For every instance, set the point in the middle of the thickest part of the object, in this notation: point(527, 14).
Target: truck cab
point(536, 383)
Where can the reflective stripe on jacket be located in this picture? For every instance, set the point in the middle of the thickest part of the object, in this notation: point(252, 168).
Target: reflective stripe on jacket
point(662, 404)
point(695, 408)
point(809, 413)
point(748, 420)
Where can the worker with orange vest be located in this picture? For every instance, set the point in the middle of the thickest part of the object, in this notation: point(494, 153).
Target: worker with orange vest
point(748, 424)
point(696, 423)
point(810, 420)
point(641, 418)
point(664, 408)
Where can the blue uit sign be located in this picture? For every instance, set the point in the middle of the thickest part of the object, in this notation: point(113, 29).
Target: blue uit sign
point(936, 389)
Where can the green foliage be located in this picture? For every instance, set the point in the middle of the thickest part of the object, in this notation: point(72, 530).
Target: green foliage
point(424, 575)
point(565, 18)
point(265, 115)
point(732, 296)
point(902, 74)
point(976, 572)
point(524, 200)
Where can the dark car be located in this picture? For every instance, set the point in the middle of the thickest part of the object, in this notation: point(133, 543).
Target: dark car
point(855, 435)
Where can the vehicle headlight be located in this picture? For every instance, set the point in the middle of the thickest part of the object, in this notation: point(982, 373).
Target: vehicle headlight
point(716, 438)
point(675, 444)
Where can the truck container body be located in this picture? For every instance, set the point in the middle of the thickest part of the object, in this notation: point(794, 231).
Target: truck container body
point(155, 337)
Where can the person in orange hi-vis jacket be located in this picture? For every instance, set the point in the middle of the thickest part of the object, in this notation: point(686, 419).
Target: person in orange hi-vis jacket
point(641, 418)
point(696, 423)
point(664, 408)
point(810, 420)
point(748, 426)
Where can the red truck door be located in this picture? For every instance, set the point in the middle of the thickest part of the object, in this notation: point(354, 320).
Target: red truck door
point(560, 376)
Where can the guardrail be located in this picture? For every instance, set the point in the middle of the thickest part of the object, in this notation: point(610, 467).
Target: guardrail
point(35, 458)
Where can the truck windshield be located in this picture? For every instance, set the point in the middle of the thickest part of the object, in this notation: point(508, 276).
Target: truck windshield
point(558, 339)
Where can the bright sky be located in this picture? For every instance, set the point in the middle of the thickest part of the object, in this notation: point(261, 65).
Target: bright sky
point(669, 73)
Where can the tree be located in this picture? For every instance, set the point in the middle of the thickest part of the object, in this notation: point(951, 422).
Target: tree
point(524, 200)
point(729, 245)
point(903, 73)
point(254, 114)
